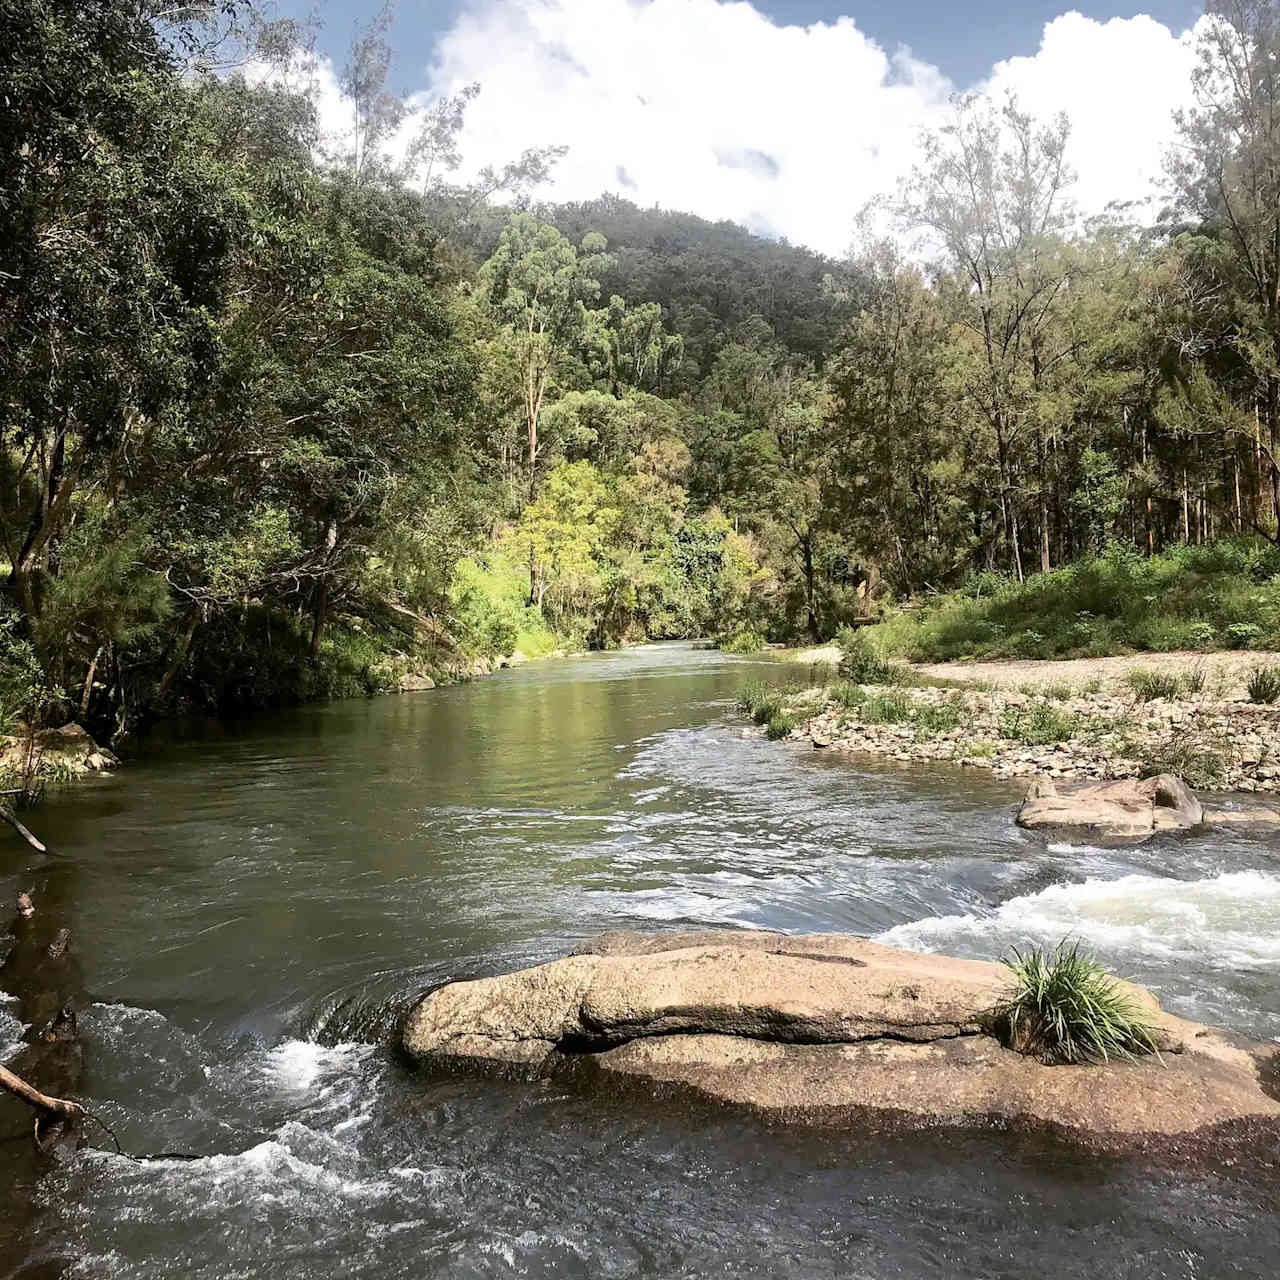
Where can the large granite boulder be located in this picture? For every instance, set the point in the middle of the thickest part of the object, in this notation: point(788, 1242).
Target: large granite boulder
point(832, 1028)
point(67, 751)
point(1131, 809)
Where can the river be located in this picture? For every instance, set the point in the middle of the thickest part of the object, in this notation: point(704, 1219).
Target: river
point(253, 905)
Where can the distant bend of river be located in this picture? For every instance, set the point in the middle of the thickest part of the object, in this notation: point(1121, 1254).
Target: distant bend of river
point(253, 905)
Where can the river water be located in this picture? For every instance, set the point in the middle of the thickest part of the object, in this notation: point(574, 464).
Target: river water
point(253, 906)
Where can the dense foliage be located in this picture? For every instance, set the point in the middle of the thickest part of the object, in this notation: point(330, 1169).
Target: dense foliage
point(285, 417)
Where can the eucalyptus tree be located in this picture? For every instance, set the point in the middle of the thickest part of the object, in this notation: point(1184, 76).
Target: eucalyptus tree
point(1226, 172)
point(537, 286)
point(990, 194)
point(376, 111)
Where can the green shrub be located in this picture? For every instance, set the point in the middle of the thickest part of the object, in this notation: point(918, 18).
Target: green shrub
point(1117, 602)
point(24, 690)
point(860, 660)
point(940, 718)
point(1037, 725)
point(743, 640)
point(1202, 636)
point(1066, 1008)
point(1244, 635)
point(1264, 684)
point(780, 724)
point(889, 708)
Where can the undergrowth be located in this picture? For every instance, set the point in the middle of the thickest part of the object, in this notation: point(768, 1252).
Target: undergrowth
point(1224, 595)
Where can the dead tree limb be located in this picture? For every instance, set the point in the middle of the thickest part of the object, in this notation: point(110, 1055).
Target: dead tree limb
point(37, 844)
point(32, 1096)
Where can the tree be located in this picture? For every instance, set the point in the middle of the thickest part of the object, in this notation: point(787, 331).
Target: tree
point(1226, 174)
point(114, 234)
point(537, 285)
point(991, 193)
point(376, 112)
point(907, 487)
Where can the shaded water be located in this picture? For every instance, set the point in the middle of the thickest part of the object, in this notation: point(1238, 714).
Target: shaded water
point(253, 906)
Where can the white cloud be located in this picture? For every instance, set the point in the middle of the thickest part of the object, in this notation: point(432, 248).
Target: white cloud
point(694, 104)
point(1119, 83)
point(708, 106)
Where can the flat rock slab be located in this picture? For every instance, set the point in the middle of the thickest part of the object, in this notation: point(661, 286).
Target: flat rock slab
point(824, 1026)
point(1131, 809)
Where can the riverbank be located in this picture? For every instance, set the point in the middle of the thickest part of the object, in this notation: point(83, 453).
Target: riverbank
point(1089, 719)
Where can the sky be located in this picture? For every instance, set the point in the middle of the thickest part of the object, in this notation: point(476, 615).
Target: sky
point(784, 115)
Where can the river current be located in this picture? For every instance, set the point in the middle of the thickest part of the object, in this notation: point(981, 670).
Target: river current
point(254, 905)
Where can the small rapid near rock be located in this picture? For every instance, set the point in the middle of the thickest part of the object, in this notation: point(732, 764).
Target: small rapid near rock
point(256, 905)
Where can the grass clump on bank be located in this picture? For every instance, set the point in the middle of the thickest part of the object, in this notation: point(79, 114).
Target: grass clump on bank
point(1065, 1008)
point(1264, 685)
point(1202, 766)
point(1223, 595)
point(779, 726)
point(1038, 725)
point(765, 701)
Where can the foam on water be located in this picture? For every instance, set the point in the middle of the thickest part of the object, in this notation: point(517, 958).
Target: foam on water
point(297, 1065)
point(1231, 921)
point(11, 1030)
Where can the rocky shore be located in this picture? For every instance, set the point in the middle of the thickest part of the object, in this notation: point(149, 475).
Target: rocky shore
point(838, 1030)
point(52, 755)
point(1214, 738)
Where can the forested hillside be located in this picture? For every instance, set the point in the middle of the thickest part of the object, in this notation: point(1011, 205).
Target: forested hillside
point(284, 417)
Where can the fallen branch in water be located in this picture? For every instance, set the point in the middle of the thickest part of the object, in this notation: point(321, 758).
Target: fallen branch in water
point(32, 1096)
point(37, 844)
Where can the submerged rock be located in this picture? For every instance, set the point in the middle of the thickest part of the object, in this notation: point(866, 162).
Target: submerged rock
point(1131, 809)
point(829, 1027)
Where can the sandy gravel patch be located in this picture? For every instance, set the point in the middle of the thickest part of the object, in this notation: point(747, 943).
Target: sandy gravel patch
point(1234, 664)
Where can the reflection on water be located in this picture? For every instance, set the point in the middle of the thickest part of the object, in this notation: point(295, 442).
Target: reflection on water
point(254, 904)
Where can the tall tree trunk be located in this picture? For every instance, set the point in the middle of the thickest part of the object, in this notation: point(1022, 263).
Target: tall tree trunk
point(534, 595)
point(806, 545)
point(1017, 544)
point(319, 611)
point(180, 651)
point(87, 691)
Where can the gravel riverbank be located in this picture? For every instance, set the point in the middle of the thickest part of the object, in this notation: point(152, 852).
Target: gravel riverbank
point(1094, 719)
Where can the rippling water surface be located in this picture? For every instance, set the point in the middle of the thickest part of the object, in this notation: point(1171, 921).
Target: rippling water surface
point(254, 905)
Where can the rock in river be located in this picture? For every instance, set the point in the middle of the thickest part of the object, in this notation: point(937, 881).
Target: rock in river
point(1131, 809)
point(832, 1028)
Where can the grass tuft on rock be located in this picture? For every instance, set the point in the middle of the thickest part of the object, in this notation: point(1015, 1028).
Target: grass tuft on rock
point(1065, 1008)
